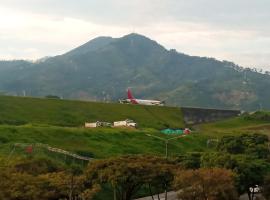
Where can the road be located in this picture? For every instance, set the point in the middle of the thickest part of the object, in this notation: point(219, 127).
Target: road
point(171, 196)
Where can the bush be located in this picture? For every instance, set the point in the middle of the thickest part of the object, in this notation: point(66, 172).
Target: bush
point(214, 184)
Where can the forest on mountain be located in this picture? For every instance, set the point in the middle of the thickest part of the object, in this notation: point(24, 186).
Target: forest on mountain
point(103, 68)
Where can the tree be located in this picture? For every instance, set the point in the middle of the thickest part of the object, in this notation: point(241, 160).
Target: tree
point(190, 160)
point(266, 187)
point(50, 186)
point(218, 159)
point(231, 144)
point(23, 186)
point(128, 174)
point(250, 172)
point(255, 144)
point(205, 184)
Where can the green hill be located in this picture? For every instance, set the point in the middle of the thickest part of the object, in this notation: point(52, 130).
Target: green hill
point(103, 68)
point(20, 111)
point(59, 123)
point(97, 143)
point(257, 122)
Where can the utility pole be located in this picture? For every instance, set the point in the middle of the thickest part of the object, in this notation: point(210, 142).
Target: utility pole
point(166, 152)
point(166, 142)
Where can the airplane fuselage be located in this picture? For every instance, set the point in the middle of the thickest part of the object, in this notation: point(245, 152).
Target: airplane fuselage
point(132, 100)
point(145, 102)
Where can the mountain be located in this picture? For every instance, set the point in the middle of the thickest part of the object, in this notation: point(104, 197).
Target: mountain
point(103, 68)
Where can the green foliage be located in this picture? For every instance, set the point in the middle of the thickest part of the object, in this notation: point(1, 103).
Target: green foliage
point(253, 145)
point(250, 171)
point(190, 160)
point(218, 159)
point(259, 116)
point(246, 155)
point(128, 174)
point(38, 165)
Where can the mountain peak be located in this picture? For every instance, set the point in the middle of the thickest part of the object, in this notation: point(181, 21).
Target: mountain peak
point(132, 42)
point(135, 35)
point(90, 46)
point(137, 41)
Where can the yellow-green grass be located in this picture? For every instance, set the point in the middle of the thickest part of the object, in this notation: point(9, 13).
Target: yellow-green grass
point(252, 123)
point(59, 123)
point(98, 143)
point(19, 110)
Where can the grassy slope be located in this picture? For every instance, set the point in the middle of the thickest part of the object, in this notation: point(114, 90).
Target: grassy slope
point(59, 124)
point(99, 143)
point(18, 110)
point(258, 122)
point(48, 120)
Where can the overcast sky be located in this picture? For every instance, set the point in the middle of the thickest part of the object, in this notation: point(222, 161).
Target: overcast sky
point(234, 30)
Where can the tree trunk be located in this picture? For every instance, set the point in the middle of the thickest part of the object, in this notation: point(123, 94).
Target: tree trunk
point(149, 186)
point(71, 188)
point(252, 195)
point(249, 197)
point(114, 193)
point(158, 196)
point(165, 191)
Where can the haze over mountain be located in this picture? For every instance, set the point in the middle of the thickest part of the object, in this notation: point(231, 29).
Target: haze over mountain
point(103, 68)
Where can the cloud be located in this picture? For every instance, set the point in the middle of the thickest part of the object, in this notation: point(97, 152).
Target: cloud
point(233, 30)
point(231, 13)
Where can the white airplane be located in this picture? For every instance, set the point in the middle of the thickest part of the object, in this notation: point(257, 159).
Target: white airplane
point(132, 100)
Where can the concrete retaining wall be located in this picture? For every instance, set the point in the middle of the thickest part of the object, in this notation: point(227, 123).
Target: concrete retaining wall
point(202, 115)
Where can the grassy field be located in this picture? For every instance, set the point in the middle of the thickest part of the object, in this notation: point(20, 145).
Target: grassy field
point(98, 143)
point(258, 122)
point(58, 123)
point(20, 111)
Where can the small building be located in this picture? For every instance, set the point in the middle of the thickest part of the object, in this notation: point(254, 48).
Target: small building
point(125, 123)
point(92, 125)
point(97, 124)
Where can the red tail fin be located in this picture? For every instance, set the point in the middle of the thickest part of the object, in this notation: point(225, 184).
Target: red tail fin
point(130, 96)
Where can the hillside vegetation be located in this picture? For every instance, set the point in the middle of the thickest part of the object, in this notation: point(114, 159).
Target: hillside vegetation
point(102, 69)
point(21, 111)
point(257, 122)
point(96, 143)
point(59, 123)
